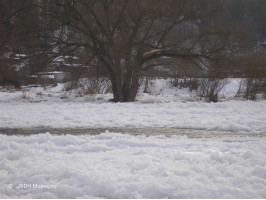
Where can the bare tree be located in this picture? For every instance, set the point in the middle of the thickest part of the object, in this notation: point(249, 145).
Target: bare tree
point(131, 36)
point(18, 22)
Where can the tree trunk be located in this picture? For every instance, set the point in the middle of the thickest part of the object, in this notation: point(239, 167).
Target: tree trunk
point(117, 88)
point(125, 91)
point(131, 85)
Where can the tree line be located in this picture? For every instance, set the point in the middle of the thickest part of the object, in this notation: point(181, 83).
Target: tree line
point(126, 38)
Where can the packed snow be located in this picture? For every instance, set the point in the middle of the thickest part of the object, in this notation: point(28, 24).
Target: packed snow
point(113, 165)
point(120, 165)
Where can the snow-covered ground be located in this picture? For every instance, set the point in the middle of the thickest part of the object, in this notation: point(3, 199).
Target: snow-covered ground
point(165, 106)
point(114, 165)
point(233, 116)
point(160, 91)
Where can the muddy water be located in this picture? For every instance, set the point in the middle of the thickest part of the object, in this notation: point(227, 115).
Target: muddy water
point(168, 132)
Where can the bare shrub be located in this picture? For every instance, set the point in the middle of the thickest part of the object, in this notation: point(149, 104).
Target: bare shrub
point(191, 83)
point(250, 87)
point(147, 84)
point(89, 86)
point(69, 86)
point(175, 82)
point(209, 88)
point(95, 86)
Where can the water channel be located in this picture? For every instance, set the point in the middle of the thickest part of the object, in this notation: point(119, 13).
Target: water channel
point(168, 132)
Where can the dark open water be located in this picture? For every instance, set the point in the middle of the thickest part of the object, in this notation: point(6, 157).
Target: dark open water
point(168, 132)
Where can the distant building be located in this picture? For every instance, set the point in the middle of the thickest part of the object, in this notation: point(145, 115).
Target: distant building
point(53, 77)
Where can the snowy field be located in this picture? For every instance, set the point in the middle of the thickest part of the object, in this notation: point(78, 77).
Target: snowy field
point(246, 116)
point(165, 106)
point(115, 165)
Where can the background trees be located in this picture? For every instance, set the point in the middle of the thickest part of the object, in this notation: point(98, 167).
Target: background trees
point(127, 38)
point(248, 14)
point(18, 24)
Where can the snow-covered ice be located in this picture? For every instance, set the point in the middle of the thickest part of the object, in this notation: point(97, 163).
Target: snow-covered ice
point(113, 165)
point(234, 116)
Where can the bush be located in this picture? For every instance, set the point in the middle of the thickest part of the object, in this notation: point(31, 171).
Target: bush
point(191, 83)
point(209, 88)
point(95, 86)
point(250, 87)
point(90, 86)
